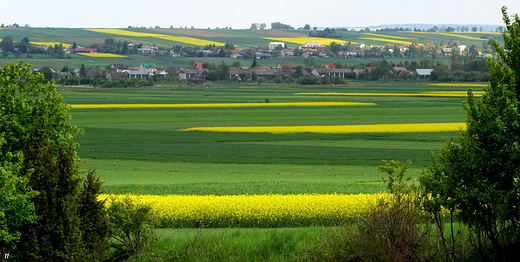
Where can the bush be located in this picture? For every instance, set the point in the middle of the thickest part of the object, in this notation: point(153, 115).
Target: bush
point(131, 227)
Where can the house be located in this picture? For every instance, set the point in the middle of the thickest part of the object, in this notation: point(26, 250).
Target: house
point(424, 72)
point(118, 67)
point(287, 52)
point(65, 75)
point(235, 73)
point(160, 74)
point(343, 73)
point(258, 68)
point(274, 45)
point(285, 66)
point(260, 55)
point(138, 74)
point(236, 54)
point(149, 67)
point(330, 65)
point(85, 50)
point(112, 75)
point(199, 66)
point(93, 72)
point(447, 51)
point(146, 50)
point(312, 45)
point(399, 68)
point(268, 75)
point(186, 74)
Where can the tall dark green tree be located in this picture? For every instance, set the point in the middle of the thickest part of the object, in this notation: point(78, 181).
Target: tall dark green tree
point(479, 177)
point(36, 127)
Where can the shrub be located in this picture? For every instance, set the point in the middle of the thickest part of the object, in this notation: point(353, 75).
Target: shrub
point(131, 227)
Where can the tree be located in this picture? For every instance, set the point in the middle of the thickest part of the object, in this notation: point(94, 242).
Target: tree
point(254, 64)
point(7, 44)
point(36, 128)
point(15, 204)
point(479, 177)
point(24, 45)
point(82, 71)
point(307, 26)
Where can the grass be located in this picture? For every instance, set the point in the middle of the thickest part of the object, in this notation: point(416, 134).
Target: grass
point(276, 244)
point(144, 150)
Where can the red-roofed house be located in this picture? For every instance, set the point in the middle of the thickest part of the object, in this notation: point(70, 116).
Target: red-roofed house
point(85, 50)
point(330, 65)
point(284, 65)
point(399, 68)
point(198, 66)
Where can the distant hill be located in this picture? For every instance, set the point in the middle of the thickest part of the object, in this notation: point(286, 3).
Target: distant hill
point(485, 28)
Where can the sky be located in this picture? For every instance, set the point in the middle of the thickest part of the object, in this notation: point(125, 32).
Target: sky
point(241, 14)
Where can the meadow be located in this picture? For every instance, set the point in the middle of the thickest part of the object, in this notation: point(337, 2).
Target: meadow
point(147, 150)
point(139, 142)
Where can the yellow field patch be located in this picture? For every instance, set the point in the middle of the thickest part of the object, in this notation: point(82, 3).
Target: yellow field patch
point(339, 129)
point(100, 55)
point(50, 44)
point(220, 105)
point(181, 39)
point(389, 40)
point(459, 84)
point(388, 36)
point(303, 40)
point(432, 93)
point(448, 34)
point(251, 210)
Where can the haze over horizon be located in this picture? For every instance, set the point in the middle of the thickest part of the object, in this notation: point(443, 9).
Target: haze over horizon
point(240, 14)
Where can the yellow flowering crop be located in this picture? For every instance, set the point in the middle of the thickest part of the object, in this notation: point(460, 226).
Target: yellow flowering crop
point(388, 36)
point(459, 84)
point(220, 105)
point(181, 39)
point(433, 93)
point(101, 55)
point(339, 129)
point(51, 44)
point(272, 210)
point(388, 40)
point(303, 40)
point(448, 34)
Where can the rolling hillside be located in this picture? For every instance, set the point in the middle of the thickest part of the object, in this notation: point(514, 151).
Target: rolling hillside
point(166, 38)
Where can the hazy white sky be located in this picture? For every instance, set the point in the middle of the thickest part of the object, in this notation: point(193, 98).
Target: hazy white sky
point(241, 14)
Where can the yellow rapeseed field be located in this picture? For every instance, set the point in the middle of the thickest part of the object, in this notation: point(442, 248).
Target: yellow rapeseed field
point(181, 39)
point(51, 44)
point(388, 40)
point(100, 55)
point(458, 84)
point(433, 93)
point(271, 210)
point(303, 40)
point(86, 106)
point(338, 129)
point(449, 34)
point(388, 36)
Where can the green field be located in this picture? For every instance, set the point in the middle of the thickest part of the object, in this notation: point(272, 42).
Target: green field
point(144, 149)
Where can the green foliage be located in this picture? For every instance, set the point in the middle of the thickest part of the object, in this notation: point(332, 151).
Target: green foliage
point(131, 227)
point(16, 208)
point(480, 176)
point(38, 146)
point(94, 220)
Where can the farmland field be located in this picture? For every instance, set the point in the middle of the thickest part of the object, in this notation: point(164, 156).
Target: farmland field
point(148, 151)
